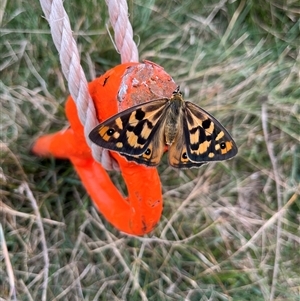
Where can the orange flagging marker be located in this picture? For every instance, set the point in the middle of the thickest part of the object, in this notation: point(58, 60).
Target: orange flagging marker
point(119, 88)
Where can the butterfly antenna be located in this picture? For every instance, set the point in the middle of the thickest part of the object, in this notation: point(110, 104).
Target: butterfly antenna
point(177, 91)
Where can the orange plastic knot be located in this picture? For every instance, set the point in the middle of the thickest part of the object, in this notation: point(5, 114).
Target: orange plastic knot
point(121, 87)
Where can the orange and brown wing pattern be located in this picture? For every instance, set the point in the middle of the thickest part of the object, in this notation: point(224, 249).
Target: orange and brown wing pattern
point(178, 157)
point(141, 133)
point(206, 139)
point(136, 133)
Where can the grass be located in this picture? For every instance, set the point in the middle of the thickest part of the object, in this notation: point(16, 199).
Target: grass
point(229, 231)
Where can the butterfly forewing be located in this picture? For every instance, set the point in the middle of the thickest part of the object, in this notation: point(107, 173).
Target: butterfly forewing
point(131, 131)
point(207, 140)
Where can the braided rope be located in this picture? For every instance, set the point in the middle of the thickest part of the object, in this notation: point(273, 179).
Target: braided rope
point(118, 12)
point(70, 61)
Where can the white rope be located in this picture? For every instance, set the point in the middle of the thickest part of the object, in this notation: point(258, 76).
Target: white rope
point(70, 62)
point(118, 12)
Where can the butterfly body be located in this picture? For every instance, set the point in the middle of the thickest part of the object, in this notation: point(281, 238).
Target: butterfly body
point(140, 134)
point(173, 115)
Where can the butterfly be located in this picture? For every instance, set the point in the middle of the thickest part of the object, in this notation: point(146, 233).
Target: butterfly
point(141, 133)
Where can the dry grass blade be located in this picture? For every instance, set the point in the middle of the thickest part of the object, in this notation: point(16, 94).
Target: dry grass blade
point(277, 258)
point(24, 187)
point(11, 277)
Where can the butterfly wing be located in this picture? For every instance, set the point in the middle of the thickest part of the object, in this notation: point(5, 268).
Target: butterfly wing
point(178, 150)
point(206, 139)
point(154, 151)
point(136, 133)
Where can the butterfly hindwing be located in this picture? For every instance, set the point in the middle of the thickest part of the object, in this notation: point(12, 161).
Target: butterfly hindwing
point(178, 150)
point(155, 149)
point(206, 139)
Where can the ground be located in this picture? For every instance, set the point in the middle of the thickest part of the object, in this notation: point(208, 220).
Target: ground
point(230, 230)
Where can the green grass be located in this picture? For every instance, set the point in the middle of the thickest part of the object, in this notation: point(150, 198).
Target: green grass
point(234, 230)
